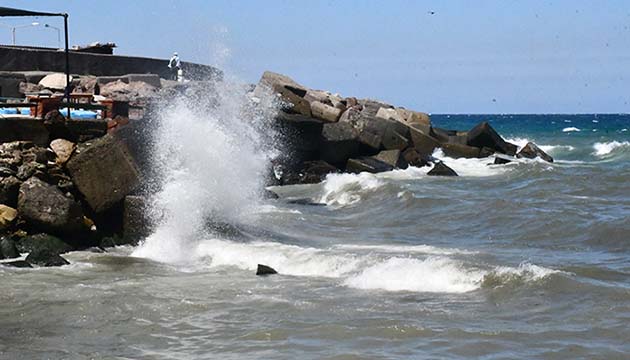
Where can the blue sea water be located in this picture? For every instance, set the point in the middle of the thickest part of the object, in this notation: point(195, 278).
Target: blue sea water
point(524, 260)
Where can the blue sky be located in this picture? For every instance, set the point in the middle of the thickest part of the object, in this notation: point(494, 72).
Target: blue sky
point(482, 56)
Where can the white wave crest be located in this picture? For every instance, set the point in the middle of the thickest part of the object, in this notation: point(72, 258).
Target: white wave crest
point(550, 149)
point(570, 129)
point(420, 249)
point(605, 148)
point(427, 275)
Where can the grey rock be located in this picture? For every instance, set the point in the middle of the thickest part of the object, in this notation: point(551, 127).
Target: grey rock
point(531, 151)
point(440, 169)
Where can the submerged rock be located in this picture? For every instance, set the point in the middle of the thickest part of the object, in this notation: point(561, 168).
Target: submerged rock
point(440, 169)
point(531, 151)
point(263, 270)
point(46, 257)
point(17, 264)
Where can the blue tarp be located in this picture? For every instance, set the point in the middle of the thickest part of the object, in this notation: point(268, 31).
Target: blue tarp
point(79, 114)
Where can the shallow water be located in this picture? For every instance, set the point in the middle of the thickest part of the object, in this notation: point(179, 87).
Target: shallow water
point(525, 260)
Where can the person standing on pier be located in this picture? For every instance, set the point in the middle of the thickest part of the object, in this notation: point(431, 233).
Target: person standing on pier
point(174, 64)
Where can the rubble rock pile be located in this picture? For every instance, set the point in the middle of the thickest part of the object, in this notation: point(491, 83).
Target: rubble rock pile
point(327, 133)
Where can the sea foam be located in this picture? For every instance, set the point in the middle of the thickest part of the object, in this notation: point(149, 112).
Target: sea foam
point(606, 148)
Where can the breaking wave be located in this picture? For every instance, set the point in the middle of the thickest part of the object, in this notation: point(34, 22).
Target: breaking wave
point(571, 129)
point(607, 148)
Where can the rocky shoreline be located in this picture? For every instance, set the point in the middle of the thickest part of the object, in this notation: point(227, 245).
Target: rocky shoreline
point(79, 184)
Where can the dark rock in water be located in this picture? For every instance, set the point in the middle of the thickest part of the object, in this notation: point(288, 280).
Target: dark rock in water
point(531, 151)
point(310, 172)
point(499, 160)
point(136, 221)
point(340, 141)
point(367, 164)
point(263, 270)
point(483, 135)
point(486, 152)
point(17, 264)
point(44, 207)
point(8, 250)
point(440, 169)
point(268, 194)
point(423, 143)
point(413, 158)
point(39, 241)
point(45, 257)
point(460, 151)
point(104, 172)
point(304, 201)
point(393, 158)
point(9, 189)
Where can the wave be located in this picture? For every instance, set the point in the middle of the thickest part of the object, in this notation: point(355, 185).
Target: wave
point(419, 268)
point(606, 148)
point(550, 149)
point(570, 129)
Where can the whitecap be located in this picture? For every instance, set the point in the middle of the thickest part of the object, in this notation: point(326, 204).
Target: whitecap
point(605, 148)
point(570, 129)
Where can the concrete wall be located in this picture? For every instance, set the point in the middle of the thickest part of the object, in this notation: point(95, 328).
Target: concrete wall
point(28, 59)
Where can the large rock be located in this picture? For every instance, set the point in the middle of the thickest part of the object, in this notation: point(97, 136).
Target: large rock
point(104, 172)
point(263, 270)
point(340, 141)
point(7, 216)
point(310, 172)
point(33, 242)
point(483, 135)
point(367, 164)
point(45, 257)
point(291, 92)
point(413, 158)
point(8, 250)
point(393, 158)
point(460, 151)
point(63, 149)
point(325, 112)
point(423, 143)
point(45, 207)
point(9, 190)
point(440, 169)
point(531, 151)
point(136, 220)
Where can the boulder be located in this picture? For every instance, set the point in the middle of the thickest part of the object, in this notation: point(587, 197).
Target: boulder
point(440, 169)
point(290, 92)
point(422, 142)
point(45, 207)
point(394, 139)
point(136, 220)
point(532, 151)
point(104, 172)
point(325, 112)
point(37, 241)
point(460, 151)
point(9, 189)
point(310, 172)
point(413, 158)
point(63, 149)
point(393, 158)
point(30, 169)
point(86, 129)
point(263, 270)
point(483, 135)
point(8, 250)
point(340, 141)
point(443, 135)
point(45, 257)
point(7, 216)
point(367, 164)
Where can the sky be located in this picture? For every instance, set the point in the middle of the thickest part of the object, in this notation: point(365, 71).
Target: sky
point(483, 56)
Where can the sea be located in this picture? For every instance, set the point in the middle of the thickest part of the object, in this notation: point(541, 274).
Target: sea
point(527, 260)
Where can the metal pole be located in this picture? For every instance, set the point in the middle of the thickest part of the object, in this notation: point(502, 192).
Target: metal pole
point(65, 28)
point(13, 31)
